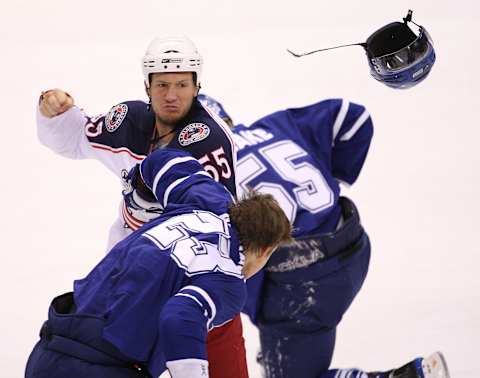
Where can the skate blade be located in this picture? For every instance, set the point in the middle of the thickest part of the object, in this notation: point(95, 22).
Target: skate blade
point(435, 366)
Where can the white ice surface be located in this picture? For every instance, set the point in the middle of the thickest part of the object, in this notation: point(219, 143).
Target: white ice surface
point(418, 192)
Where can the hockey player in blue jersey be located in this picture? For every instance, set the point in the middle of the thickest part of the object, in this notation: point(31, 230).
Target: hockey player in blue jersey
point(300, 156)
point(149, 304)
point(126, 134)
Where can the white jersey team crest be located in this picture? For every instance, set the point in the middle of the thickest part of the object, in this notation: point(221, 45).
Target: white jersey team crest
point(115, 117)
point(192, 133)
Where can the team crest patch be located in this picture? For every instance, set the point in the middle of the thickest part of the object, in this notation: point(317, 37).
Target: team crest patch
point(192, 133)
point(115, 116)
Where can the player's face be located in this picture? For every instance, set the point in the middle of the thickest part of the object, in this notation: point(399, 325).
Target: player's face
point(254, 262)
point(172, 95)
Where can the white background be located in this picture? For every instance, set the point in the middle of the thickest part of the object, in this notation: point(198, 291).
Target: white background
point(418, 192)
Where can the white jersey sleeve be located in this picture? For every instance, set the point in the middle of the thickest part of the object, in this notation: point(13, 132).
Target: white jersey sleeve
point(67, 135)
point(64, 134)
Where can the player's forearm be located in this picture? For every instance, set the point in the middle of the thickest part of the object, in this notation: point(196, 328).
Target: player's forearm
point(183, 335)
point(188, 368)
point(183, 330)
point(64, 133)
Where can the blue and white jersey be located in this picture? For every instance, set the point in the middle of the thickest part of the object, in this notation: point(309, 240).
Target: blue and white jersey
point(162, 288)
point(300, 155)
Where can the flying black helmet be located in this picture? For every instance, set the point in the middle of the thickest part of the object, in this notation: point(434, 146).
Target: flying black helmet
point(398, 57)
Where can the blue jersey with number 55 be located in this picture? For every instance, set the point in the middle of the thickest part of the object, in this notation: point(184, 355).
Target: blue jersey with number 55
point(300, 155)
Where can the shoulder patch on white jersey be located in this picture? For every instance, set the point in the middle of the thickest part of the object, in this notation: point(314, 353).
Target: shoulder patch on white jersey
point(115, 117)
point(192, 133)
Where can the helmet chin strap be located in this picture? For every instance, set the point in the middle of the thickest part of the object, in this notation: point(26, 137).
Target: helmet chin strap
point(298, 55)
point(407, 18)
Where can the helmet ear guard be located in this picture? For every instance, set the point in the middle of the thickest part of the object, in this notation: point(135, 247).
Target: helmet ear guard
point(172, 54)
point(397, 56)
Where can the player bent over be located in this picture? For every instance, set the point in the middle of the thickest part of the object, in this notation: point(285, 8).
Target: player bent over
point(297, 301)
point(149, 304)
point(126, 134)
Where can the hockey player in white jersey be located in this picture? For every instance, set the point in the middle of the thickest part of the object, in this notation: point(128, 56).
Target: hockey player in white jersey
point(126, 134)
point(129, 131)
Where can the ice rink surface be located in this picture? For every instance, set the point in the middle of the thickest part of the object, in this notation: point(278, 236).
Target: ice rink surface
point(418, 193)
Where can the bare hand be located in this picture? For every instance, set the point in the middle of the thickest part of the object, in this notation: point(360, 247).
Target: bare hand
point(54, 102)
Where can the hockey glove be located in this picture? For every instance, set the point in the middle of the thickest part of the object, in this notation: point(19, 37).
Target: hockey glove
point(140, 203)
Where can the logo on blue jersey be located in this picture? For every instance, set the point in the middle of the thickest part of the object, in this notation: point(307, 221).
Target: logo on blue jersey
point(115, 117)
point(192, 133)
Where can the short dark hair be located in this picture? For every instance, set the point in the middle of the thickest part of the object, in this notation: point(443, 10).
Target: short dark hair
point(260, 221)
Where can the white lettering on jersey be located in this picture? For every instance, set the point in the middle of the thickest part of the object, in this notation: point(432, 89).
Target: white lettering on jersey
point(93, 127)
point(251, 137)
point(193, 255)
point(311, 191)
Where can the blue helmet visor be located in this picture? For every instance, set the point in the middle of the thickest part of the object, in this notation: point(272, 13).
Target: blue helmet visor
point(405, 57)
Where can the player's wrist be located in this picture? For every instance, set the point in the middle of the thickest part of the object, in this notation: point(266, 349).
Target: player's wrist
point(188, 368)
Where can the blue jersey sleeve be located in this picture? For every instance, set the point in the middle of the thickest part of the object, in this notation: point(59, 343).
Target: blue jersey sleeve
point(341, 127)
point(210, 300)
point(175, 177)
point(352, 134)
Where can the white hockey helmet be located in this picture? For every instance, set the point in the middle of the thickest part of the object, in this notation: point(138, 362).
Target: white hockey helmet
point(171, 54)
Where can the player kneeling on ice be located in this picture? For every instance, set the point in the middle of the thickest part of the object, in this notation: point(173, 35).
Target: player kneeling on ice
point(298, 300)
point(149, 304)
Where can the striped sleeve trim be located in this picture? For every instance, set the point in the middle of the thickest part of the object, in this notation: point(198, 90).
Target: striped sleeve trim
point(166, 167)
point(201, 297)
point(342, 113)
point(177, 182)
point(356, 126)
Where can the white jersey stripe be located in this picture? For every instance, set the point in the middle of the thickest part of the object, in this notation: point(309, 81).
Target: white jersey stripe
point(170, 188)
point(189, 296)
point(342, 113)
point(176, 183)
point(356, 126)
point(166, 167)
point(207, 298)
point(205, 173)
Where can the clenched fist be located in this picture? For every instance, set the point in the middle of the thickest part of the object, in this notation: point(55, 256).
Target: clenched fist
point(54, 102)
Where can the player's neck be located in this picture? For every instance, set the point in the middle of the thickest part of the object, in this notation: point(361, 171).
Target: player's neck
point(165, 132)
